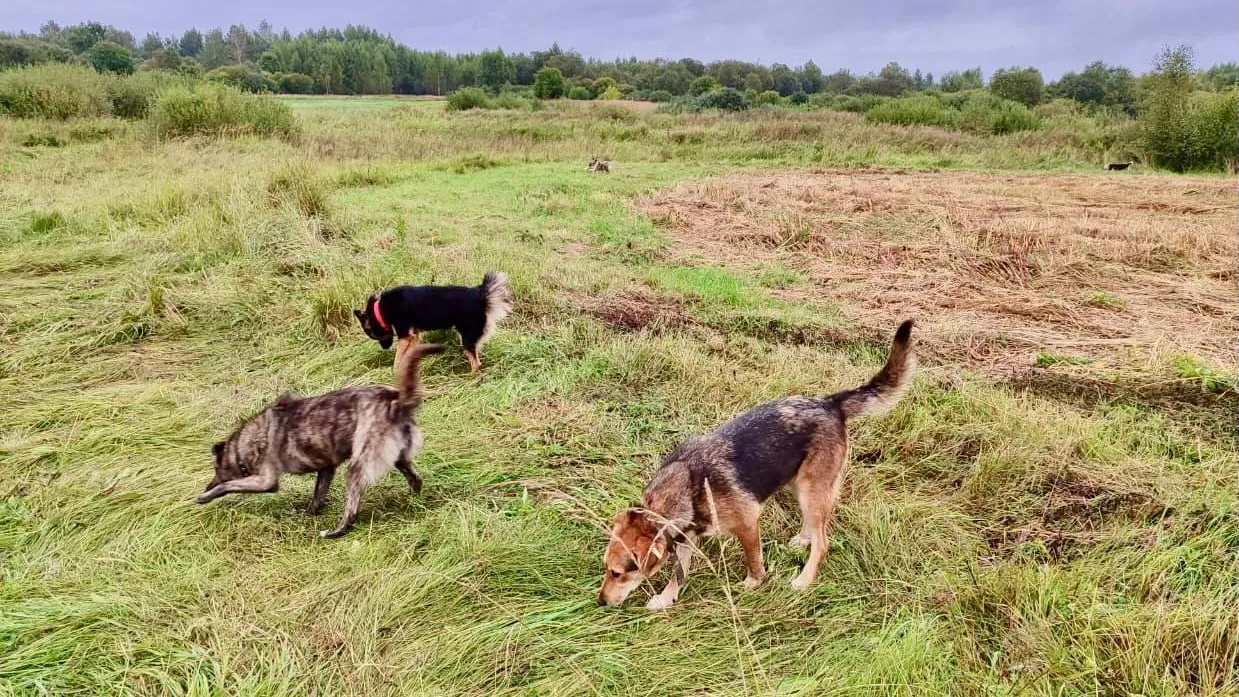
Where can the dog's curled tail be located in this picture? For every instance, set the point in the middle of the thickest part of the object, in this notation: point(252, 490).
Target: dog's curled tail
point(887, 387)
point(498, 298)
point(408, 376)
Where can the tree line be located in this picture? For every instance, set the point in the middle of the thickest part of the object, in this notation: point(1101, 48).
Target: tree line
point(361, 60)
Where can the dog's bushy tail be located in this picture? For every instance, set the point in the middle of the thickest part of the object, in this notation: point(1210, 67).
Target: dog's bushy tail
point(408, 377)
point(887, 387)
point(498, 298)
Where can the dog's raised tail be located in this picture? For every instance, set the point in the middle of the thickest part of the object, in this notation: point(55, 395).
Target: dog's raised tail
point(498, 298)
point(887, 387)
point(408, 377)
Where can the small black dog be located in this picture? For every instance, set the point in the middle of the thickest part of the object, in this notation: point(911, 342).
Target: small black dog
point(401, 313)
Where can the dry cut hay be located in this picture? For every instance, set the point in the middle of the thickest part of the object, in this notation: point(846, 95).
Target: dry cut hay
point(997, 266)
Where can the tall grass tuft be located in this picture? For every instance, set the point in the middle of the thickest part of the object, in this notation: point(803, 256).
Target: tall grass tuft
point(54, 91)
point(208, 109)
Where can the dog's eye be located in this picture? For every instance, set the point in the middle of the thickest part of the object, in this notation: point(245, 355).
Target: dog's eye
point(614, 573)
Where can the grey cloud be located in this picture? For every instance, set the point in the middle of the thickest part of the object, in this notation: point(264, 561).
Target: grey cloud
point(934, 35)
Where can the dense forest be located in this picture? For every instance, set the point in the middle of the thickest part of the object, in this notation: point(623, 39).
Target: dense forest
point(360, 60)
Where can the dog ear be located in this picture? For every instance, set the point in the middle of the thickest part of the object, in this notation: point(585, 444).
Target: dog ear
point(359, 315)
point(218, 449)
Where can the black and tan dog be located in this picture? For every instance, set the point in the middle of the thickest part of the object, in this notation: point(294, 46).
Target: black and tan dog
point(717, 483)
point(372, 427)
point(401, 313)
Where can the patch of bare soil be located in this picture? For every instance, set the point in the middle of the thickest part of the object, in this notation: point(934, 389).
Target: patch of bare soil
point(636, 309)
point(997, 267)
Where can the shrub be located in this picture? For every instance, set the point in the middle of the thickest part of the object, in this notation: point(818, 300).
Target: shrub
point(921, 110)
point(661, 96)
point(213, 109)
point(612, 93)
point(703, 84)
point(243, 77)
point(768, 97)
point(507, 100)
point(54, 91)
point(580, 92)
point(798, 98)
point(132, 96)
point(976, 111)
point(108, 57)
point(985, 113)
point(601, 85)
point(725, 99)
point(467, 98)
point(295, 83)
point(1020, 85)
point(548, 83)
point(1182, 130)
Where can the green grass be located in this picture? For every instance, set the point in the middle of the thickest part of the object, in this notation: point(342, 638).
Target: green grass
point(991, 539)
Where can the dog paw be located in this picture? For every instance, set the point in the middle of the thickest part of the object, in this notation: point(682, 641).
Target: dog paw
point(801, 583)
point(659, 603)
point(204, 498)
point(799, 541)
point(751, 582)
point(332, 534)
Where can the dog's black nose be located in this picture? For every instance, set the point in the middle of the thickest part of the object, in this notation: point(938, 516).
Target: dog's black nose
point(601, 602)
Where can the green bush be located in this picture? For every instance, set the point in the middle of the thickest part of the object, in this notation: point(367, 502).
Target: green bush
point(132, 96)
point(798, 98)
point(976, 111)
point(295, 83)
point(213, 109)
point(913, 111)
point(612, 93)
point(768, 97)
point(54, 91)
point(725, 99)
point(507, 100)
point(1183, 130)
point(580, 92)
point(243, 77)
point(548, 83)
point(467, 98)
point(703, 84)
point(109, 57)
point(661, 96)
point(985, 113)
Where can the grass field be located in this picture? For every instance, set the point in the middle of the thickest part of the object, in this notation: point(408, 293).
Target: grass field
point(1051, 511)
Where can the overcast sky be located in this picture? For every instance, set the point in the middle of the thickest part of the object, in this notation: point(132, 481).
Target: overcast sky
point(860, 35)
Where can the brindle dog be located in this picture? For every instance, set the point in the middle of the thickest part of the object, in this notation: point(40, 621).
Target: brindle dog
point(372, 427)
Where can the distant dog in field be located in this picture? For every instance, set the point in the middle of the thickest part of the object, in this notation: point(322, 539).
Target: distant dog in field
point(1117, 166)
point(402, 313)
point(372, 427)
point(596, 165)
point(717, 483)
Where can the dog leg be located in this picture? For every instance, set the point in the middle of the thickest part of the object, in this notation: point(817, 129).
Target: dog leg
point(817, 487)
point(352, 502)
point(474, 363)
point(322, 485)
point(410, 474)
point(747, 531)
point(265, 482)
point(403, 344)
point(683, 558)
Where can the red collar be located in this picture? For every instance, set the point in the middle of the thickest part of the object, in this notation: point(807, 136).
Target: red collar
point(378, 316)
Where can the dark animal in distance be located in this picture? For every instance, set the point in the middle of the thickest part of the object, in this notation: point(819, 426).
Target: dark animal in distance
point(1117, 166)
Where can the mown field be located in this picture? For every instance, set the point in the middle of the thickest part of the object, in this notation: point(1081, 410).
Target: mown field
point(1051, 511)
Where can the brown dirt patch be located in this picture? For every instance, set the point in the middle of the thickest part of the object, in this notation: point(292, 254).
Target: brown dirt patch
point(997, 267)
point(635, 310)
